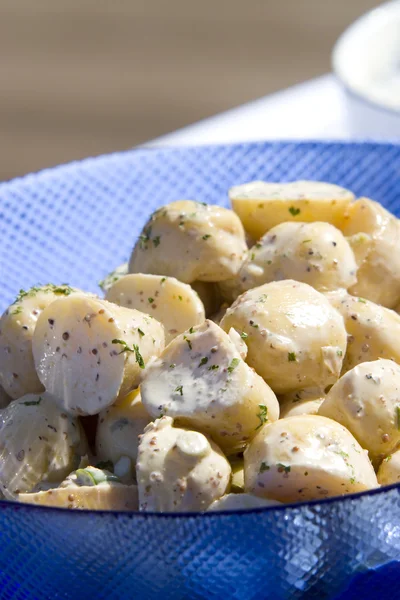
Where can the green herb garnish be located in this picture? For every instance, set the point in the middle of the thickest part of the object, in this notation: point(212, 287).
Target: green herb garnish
point(244, 335)
point(156, 241)
point(135, 349)
point(294, 211)
point(264, 467)
point(141, 333)
point(282, 468)
point(206, 236)
point(262, 415)
point(292, 356)
point(179, 389)
point(33, 402)
point(203, 361)
point(233, 365)
point(213, 368)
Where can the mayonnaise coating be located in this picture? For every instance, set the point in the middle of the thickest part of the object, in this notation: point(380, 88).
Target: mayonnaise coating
point(190, 241)
point(389, 469)
point(178, 469)
point(366, 400)
point(374, 235)
point(315, 253)
point(240, 502)
point(295, 338)
point(87, 489)
point(38, 442)
point(373, 330)
point(17, 370)
point(261, 205)
point(173, 303)
point(302, 402)
point(88, 352)
point(202, 382)
point(306, 457)
point(117, 432)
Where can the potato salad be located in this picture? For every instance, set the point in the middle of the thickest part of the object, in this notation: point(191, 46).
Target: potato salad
point(241, 358)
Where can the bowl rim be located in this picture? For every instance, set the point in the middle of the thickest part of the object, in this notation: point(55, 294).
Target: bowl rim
point(290, 506)
point(336, 60)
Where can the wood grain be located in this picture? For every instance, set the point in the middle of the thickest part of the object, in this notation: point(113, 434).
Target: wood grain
point(82, 77)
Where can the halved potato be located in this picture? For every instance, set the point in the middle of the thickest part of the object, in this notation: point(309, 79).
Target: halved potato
point(261, 205)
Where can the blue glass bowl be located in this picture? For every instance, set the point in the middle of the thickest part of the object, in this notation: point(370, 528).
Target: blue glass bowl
point(73, 224)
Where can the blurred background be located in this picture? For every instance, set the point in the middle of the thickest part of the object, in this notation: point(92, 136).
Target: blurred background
point(83, 77)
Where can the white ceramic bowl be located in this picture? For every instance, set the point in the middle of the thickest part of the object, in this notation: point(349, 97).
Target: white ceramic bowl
point(366, 59)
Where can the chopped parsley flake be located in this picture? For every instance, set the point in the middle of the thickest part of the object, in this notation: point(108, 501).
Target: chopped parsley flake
point(362, 300)
point(234, 364)
point(189, 343)
point(180, 298)
point(135, 349)
point(306, 241)
point(203, 361)
point(33, 402)
point(294, 211)
point(17, 311)
point(398, 417)
point(156, 241)
point(352, 480)
point(172, 366)
point(179, 389)
point(150, 300)
point(144, 238)
point(141, 333)
point(264, 467)
point(258, 245)
point(262, 298)
point(163, 279)
point(339, 352)
point(253, 324)
point(292, 357)
point(262, 415)
point(389, 457)
point(206, 236)
point(191, 330)
point(213, 368)
point(244, 335)
point(253, 256)
point(282, 468)
point(62, 290)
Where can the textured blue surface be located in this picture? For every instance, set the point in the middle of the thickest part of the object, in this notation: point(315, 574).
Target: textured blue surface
point(75, 223)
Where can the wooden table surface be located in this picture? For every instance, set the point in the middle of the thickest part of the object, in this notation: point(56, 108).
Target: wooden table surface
point(83, 77)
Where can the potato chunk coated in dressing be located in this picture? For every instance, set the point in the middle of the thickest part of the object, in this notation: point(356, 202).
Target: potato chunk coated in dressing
point(173, 303)
point(89, 352)
point(305, 458)
point(190, 241)
point(366, 400)
point(202, 382)
point(38, 442)
point(295, 338)
point(261, 205)
point(179, 469)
